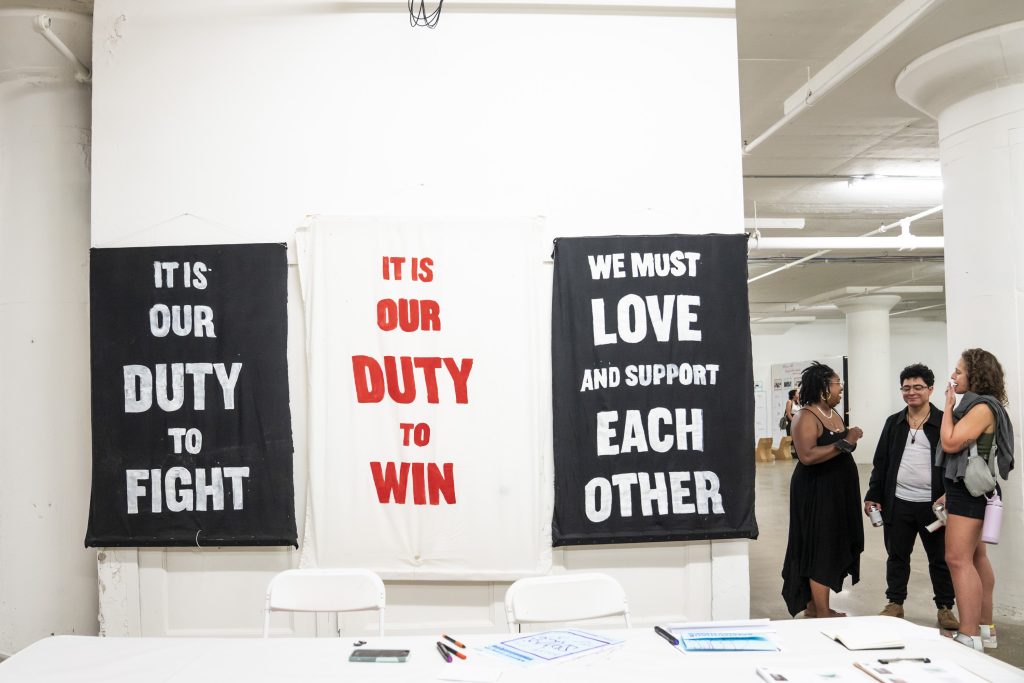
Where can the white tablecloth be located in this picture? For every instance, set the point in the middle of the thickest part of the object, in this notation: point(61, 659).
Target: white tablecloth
point(643, 657)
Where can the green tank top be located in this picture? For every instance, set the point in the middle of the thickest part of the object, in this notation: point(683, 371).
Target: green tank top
point(984, 444)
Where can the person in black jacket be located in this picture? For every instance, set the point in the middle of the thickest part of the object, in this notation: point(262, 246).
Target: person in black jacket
point(904, 483)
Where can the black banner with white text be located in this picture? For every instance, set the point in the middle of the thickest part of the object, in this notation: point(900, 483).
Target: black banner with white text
point(651, 374)
point(192, 441)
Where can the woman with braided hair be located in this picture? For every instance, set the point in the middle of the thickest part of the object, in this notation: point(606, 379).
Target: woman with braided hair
point(826, 534)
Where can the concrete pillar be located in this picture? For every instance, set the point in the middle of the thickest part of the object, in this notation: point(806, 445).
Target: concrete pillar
point(974, 87)
point(869, 386)
point(47, 577)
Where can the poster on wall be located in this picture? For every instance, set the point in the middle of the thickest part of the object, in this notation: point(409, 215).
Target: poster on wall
point(425, 459)
point(786, 378)
point(191, 425)
point(651, 376)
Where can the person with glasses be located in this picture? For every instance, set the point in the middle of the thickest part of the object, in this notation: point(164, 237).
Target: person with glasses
point(905, 482)
point(826, 533)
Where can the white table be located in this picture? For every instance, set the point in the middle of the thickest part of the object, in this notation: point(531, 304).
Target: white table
point(644, 657)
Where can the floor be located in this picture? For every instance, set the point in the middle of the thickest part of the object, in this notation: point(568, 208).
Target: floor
point(868, 596)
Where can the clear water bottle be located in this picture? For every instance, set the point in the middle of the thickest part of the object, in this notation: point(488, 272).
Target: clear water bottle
point(993, 519)
point(875, 516)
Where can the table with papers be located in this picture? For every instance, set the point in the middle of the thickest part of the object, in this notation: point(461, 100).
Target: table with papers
point(641, 655)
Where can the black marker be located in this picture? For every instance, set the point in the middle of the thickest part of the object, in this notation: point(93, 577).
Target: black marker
point(905, 659)
point(666, 635)
point(444, 652)
point(452, 650)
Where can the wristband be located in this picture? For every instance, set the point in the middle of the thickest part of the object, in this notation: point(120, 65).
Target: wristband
point(845, 446)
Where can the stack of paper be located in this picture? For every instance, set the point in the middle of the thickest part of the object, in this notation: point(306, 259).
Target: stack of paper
point(863, 639)
point(819, 674)
point(749, 635)
point(918, 670)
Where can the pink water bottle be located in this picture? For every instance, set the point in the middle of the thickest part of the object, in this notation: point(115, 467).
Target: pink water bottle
point(993, 519)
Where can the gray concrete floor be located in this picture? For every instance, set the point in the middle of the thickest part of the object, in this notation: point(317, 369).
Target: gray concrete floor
point(868, 596)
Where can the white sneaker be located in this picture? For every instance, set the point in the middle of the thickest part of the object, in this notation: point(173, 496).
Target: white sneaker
point(988, 636)
point(969, 641)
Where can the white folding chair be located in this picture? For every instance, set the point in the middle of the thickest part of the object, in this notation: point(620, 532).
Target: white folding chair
point(564, 597)
point(325, 590)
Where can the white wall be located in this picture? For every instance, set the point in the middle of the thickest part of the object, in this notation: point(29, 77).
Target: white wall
point(47, 577)
point(249, 115)
point(912, 341)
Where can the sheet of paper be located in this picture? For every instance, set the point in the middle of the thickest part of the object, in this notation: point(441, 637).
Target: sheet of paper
point(551, 646)
point(753, 644)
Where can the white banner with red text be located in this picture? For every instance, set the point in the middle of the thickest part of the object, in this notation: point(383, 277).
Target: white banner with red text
point(425, 452)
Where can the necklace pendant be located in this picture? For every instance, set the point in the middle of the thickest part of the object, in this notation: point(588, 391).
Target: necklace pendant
point(913, 438)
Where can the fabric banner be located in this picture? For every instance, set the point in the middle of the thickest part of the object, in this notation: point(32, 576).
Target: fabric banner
point(651, 377)
point(192, 441)
point(425, 457)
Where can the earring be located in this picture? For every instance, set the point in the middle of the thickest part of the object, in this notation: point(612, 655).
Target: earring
point(824, 397)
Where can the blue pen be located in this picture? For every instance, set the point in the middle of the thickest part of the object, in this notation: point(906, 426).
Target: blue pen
point(666, 635)
point(444, 653)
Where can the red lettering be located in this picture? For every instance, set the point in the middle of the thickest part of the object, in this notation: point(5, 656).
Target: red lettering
point(389, 484)
point(419, 493)
point(368, 378)
point(460, 377)
point(426, 274)
point(407, 394)
point(429, 367)
point(439, 483)
point(372, 381)
point(408, 314)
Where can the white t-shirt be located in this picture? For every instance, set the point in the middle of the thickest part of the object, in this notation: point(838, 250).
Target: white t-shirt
point(914, 480)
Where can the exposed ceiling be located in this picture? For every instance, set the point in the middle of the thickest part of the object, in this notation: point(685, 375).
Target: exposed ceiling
point(861, 128)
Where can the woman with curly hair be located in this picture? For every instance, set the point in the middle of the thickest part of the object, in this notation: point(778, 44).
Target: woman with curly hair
point(826, 534)
point(979, 420)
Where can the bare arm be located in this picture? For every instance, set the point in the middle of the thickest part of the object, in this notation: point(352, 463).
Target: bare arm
point(977, 421)
point(806, 431)
point(789, 409)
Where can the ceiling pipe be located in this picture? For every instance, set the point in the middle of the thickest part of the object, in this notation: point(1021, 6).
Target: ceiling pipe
point(756, 242)
point(831, 243)
point(850, 61)
point(41, 25)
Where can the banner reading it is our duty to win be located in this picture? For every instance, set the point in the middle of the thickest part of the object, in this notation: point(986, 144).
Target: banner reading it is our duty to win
point(425, 457)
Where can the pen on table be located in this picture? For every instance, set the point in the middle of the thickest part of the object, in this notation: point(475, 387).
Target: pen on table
point(904, 659)
point(666, 635)
point(453, 651)
point(452, 640)
point(444, 653)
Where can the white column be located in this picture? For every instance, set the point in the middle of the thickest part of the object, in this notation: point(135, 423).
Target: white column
point(869, 384)
point(47, 577)
point(975, 88)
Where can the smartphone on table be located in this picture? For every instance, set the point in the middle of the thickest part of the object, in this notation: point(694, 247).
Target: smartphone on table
point(362, 655)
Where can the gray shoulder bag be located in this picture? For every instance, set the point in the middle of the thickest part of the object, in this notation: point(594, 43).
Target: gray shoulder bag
point(980, 475)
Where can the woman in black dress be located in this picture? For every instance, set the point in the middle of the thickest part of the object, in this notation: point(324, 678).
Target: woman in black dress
point(826, 534)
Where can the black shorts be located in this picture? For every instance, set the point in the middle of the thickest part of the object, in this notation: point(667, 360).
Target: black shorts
point(959, 501)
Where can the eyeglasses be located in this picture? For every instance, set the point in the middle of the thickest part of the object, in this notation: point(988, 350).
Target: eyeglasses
point(835, 381)
point(907, 388)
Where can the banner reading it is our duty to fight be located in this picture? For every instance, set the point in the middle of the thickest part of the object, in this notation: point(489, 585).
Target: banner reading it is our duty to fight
point(651, 380)
point(191, 425)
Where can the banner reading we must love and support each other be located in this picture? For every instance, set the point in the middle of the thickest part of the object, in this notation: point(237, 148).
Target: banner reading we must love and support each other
point(425, 450)
point(651, 378)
